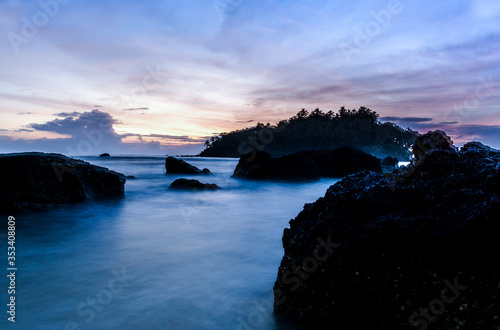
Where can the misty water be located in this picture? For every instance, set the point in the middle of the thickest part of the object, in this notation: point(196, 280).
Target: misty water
point(158, 259)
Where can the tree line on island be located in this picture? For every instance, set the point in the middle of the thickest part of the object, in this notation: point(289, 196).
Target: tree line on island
point(317, 130)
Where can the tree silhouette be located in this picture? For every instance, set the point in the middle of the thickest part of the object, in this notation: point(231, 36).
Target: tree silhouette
point(359, 128)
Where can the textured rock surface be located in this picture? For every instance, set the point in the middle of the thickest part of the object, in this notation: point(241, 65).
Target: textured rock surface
point(178, 166)
point(414, 249)
point(306, 165)
point(38, 180)
point(432, 140)
point(186, 184)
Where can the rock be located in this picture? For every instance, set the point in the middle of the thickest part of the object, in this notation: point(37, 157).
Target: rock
point(38, 180)
point(432, 140)
point(393, 247)
point(389, 164)
point(206, 171)
point(130, 177)
point(104, 155)
point(178, 166)
point(186, 184)
point(306, 165)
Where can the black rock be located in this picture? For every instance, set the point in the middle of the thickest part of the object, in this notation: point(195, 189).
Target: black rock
point(38, 180)
point(178, 166)
point(130, 177)
point(378, 250)
point(432, 140)
point(104, 155)
point(389, 164)
point(306, 165)
point(186, 184)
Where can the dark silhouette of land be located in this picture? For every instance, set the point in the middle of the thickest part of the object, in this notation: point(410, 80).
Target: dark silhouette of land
point(317, 130)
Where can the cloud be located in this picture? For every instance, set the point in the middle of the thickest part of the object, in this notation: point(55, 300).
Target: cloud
point(68, 114)
point(24, 113)
point(136, 109)
point(177, 138)
point(87, 121)
point(406, 119)
point(92, 133)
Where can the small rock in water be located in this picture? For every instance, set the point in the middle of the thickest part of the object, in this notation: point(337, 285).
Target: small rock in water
point(187, 184)
point(178, 166)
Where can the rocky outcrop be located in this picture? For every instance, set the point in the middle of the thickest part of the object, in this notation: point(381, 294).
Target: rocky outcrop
point(194, 185)
point(104, 155)
point(178, 166)
point(306, 165)
point(432, 140)
point(38, 180)
point(413, 249)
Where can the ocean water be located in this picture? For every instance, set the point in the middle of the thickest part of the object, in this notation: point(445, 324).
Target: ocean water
point(157, 259)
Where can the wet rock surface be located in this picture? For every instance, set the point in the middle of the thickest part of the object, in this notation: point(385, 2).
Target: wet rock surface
point(411, 249)
point(39, 180)
point(178, 166)
point(194, 185)
point(306, 165)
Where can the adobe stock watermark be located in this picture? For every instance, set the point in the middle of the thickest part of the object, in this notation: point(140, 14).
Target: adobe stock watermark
point(31, 26)
point(224, 7)
point(151, 81)
point(92, 137)
point(364, 35)
point(87, 309)
point(486, 89)
point(295, 275)
point(437, 307)
point(203, 198)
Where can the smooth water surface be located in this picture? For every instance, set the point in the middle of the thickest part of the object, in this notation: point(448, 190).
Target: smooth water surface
point(158, 259)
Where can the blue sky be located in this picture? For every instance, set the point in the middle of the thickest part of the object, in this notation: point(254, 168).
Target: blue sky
point(84, 77)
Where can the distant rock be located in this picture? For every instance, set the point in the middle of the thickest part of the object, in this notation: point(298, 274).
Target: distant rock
point(104, 155)
point(178, 166)
point(414, 249)
point(130, 177)
point(306, 165)
point(187, 184)
point(38, 180)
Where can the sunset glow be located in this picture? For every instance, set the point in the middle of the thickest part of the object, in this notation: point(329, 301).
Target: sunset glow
point(166, 75)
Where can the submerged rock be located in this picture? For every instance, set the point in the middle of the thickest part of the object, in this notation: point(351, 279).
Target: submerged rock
point(178, 166)
point(38, 180)
point(306, 165)
point(187, 184)
point(415, 248)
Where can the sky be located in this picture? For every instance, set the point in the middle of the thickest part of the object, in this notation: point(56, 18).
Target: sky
point(160, 77)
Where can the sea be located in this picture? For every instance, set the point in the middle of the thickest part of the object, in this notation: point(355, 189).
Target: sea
point(157, 258)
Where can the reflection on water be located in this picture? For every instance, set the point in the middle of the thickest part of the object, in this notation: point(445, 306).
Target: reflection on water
point(159, 259)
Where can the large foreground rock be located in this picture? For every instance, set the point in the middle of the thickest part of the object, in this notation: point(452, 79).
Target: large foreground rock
point(414, 249)
point(306, 165)
point(38, 180)
point(178, 166)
